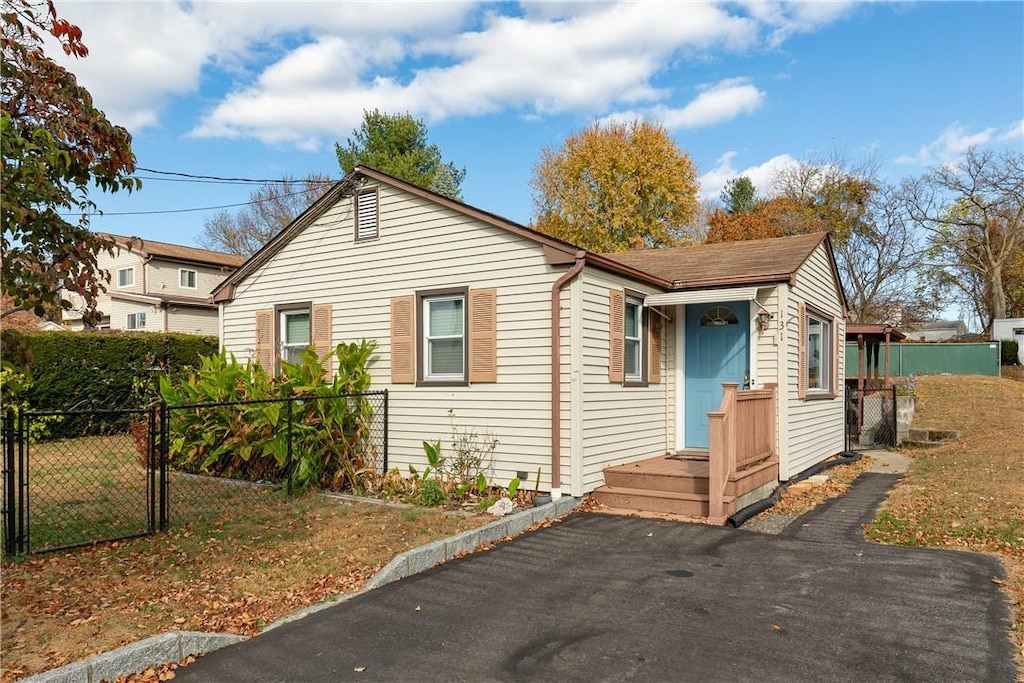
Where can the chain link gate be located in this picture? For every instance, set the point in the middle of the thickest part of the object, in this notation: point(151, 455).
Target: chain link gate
point(870, 418)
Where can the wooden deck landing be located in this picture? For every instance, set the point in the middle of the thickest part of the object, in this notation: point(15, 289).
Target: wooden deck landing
point(675, 484)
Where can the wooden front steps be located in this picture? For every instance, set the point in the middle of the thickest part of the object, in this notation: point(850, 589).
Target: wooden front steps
point(677, 486)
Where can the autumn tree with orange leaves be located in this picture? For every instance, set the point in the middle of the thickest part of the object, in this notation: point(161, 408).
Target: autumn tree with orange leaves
point(56, 144)
point(616, 186)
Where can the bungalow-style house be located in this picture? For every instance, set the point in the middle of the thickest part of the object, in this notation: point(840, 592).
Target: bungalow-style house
point(159, 287)
point(687, 380)
point(938, 331)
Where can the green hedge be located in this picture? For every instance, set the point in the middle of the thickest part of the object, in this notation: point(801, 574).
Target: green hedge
point(1008, 349)
point(99, 369)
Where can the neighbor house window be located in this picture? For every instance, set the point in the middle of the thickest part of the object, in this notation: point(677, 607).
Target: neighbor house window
point(818, 349)
point(295, 334)
point(186, 278)
point(633, 333)
point(444, 336)
point(136, 321)
point(367, 215)
point(126, 277)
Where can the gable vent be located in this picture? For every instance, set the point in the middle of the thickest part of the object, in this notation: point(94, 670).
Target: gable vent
point(366, 215)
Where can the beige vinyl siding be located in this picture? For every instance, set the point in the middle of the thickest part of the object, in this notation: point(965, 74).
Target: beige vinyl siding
point(423, 246)
point(162, 278)
point(123, 259)
point(119, 311)
point(767, 342)
point(620, 424)
point(192, 320)
point(813, 428)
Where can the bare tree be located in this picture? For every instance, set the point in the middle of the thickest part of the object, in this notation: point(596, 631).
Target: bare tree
point(273, 207)
point(973, 214)
point(879, 262)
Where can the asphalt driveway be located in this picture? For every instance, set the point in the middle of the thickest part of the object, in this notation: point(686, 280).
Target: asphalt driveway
point(605, 598)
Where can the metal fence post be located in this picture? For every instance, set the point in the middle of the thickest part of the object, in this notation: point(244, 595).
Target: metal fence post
point(895, 426)
point(10, 529)
point(290, 465)
point(164, 428)
point(21, 537)
point(385, 431)
point(152, 457)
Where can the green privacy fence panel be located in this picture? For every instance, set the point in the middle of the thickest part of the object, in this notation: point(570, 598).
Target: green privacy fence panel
point(933, 359)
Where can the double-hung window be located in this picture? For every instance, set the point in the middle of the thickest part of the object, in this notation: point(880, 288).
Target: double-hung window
point(818, 350)
point(444, 337)
point(136, 321)
point(295, 333)
point(633, 334)
point(186, 278)
point(126, 277)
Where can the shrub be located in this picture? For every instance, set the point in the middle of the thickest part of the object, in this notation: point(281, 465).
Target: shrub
point(1008, 350)
point(329, 432)
point(99, 369)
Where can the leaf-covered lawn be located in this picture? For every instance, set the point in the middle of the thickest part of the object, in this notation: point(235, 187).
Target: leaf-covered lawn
point(967, 494)
point(237, 575)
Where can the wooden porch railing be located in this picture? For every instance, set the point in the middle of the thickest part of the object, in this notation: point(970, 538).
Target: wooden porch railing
point(742, 434)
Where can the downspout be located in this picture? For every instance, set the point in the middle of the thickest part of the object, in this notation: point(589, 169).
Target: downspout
point(556, 371)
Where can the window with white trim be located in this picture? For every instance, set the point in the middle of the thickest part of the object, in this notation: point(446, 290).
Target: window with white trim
point(136, 321)
point(186, 278)
point(126, 277)
point(444, 337)
point(295, 332)
point(633, 333)
point(818, 347)
point(367, 215)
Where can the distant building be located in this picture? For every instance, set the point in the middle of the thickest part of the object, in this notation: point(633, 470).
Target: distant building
point(1010, 328)
point(938, 331)
point(159, 287)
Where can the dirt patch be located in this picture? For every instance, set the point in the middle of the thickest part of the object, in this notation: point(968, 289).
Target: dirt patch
point(967, 494)
point(797, 500)
point(235, 574)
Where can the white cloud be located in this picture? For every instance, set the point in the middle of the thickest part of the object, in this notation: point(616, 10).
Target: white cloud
point(296, 73)
point(1013, 131)
point(762, 175)
point(951, 144)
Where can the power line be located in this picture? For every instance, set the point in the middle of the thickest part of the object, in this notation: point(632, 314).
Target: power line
point(190, 210)
point(196, 177)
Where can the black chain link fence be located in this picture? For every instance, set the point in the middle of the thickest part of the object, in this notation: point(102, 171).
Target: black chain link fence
point(870, 418)
point(64, 486)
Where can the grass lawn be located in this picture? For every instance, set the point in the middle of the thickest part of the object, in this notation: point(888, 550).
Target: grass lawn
point(235, 573)
point(967, 494)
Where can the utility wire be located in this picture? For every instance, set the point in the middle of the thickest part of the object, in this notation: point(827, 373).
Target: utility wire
point(222, 179)
point(191, 210)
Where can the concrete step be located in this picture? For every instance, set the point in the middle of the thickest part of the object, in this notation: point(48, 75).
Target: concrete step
point(669, 502)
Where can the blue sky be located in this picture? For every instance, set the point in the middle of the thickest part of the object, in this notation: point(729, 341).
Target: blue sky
point(262, 90)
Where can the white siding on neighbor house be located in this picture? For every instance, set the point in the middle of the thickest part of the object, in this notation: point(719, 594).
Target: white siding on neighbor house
point(424, 246)
point(620, 424)
point(192, 320)
point(162, 278)
point(813, 428)
point(119, 310)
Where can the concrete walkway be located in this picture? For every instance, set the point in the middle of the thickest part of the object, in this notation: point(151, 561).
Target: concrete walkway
point(607, 598)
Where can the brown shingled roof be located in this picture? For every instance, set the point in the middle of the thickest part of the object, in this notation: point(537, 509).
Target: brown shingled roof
point(767, 260)
point(177, 252)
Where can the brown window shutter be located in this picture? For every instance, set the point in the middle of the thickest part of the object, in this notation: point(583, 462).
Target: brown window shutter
point(801, 325)
point(616, 335)
point(403, 340)
point(265, 340)
point(654, 327)
point(483, 335)
point(836, 346)
point(322, 331)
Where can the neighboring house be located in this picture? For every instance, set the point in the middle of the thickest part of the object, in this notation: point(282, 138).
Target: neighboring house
point(938, 331)
point(159, 287)
point(575, 361)
point(1010, 328)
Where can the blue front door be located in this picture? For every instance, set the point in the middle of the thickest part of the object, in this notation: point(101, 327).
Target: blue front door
point(717, 338)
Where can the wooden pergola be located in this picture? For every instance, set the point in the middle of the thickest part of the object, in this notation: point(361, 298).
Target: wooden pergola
point(872, 372)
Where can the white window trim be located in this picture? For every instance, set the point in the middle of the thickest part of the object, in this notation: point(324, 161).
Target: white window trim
point(135, 317)
point(428, 374)
point(825, 362)
point(638, 376)
point(283, 327)
point(130, 269)
point(195, 278)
